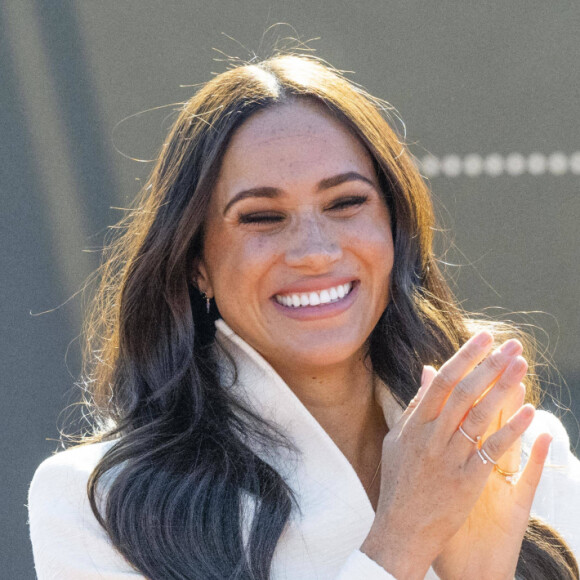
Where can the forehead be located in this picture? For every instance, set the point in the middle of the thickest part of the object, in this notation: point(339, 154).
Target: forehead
point(289, 143)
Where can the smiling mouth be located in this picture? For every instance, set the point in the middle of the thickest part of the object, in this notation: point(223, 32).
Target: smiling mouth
point(320, 297)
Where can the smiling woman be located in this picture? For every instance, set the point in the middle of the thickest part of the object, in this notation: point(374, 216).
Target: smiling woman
point(323, 228)
point(281, 382)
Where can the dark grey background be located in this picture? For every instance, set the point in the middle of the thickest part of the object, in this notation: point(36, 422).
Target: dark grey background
point(467, 78)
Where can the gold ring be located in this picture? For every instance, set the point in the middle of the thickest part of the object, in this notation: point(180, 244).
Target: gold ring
point(510, 476)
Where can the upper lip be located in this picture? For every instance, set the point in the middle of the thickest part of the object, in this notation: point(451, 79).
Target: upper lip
point(313, 285)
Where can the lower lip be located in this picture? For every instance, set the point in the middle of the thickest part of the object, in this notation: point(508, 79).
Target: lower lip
point(320, 311)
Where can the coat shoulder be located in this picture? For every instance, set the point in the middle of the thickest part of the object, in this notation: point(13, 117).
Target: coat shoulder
point(67, 540)
point(66, 468)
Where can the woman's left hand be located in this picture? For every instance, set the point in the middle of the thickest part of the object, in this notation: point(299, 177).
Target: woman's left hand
point(500, 516)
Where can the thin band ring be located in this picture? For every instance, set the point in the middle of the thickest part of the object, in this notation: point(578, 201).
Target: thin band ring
point(476, 440)
point(509, 476)
point(483, 455)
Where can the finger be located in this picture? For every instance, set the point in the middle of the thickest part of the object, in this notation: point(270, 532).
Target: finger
point(511, 461)
point(478, 383)
point(496, 445)
point(427, 377)
point(486, 413)
point(530, 477)
point(511, 406)
point(457, 367)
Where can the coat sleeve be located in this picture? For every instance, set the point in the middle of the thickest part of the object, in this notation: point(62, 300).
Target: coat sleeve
point(359, 566)
point(67, 541)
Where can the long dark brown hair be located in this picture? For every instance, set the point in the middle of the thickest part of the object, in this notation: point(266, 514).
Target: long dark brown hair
point(170, 490)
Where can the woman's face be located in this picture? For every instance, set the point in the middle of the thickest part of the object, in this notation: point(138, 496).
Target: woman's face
point(298, 247)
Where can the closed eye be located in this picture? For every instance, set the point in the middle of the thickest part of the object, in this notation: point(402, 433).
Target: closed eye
point(268, 217)
point(260, 218)
point(348, 202)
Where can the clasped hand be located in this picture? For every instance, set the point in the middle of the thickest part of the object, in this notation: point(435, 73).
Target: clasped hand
point(440, 504)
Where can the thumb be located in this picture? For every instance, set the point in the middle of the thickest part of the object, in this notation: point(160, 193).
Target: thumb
point(429, 373)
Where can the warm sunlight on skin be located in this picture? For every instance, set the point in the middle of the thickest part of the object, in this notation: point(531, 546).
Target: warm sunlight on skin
point(298, 248)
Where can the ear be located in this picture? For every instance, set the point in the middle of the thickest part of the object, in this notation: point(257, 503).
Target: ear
point(200, 278)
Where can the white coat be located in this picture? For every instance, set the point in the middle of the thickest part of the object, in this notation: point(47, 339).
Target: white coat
point(319, 543)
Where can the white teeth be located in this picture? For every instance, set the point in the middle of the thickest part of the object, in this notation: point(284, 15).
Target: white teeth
point(325, 296)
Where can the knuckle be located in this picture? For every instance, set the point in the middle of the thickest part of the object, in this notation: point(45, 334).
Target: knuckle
point(444, 380)
point(494, 363)
point(493, 448)
point(506, 383)
point(467, 354)
point(462, 394)
point(502, 384)
point(512, 427)
point(477, 415)
point(412, 404)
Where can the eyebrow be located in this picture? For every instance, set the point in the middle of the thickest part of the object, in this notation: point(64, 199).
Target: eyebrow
point(272, 192)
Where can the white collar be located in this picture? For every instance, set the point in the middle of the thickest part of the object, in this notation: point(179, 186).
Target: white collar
point(264, 391)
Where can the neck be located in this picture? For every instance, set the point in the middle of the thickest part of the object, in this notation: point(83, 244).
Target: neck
point(341, 398)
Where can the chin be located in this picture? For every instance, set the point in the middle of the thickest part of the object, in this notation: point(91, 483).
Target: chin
point(322, 353)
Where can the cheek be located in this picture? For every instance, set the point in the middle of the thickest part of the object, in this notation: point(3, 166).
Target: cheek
point(238, 265)
point(374, 242)
point(375, 252)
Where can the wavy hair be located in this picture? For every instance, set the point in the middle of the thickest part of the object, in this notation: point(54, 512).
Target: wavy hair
point(172, 490)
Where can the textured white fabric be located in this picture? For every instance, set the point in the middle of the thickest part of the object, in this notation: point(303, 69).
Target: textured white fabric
point(358, 565)
point(321, 542)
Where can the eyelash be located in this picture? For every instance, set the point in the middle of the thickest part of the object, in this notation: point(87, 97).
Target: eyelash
point(265, 217)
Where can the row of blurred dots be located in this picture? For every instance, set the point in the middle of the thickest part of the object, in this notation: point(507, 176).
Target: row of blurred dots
point(494, 164)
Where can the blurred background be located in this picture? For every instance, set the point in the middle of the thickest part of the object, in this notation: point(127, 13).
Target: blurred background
point(490, 97)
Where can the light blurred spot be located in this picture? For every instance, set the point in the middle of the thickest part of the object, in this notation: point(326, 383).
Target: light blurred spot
point(493, 164)
point(575, 163)
point(451, 165)
point(537, 164)
point(515, 164)
point(473, 165)
point(430, 165)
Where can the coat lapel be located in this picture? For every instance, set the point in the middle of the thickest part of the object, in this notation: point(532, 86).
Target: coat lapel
point(334, 513)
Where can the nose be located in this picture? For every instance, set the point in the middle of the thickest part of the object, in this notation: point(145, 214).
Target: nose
point(313, 244)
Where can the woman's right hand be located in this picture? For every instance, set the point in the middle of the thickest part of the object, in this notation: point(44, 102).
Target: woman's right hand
point(431, 474)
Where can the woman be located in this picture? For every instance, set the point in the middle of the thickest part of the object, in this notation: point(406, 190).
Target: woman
point(289, 439)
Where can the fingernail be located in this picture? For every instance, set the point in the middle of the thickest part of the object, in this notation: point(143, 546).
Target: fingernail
point(422, 376)
point(518, 365)
point(510, 347)
point(528, 410)
point(483, 339)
